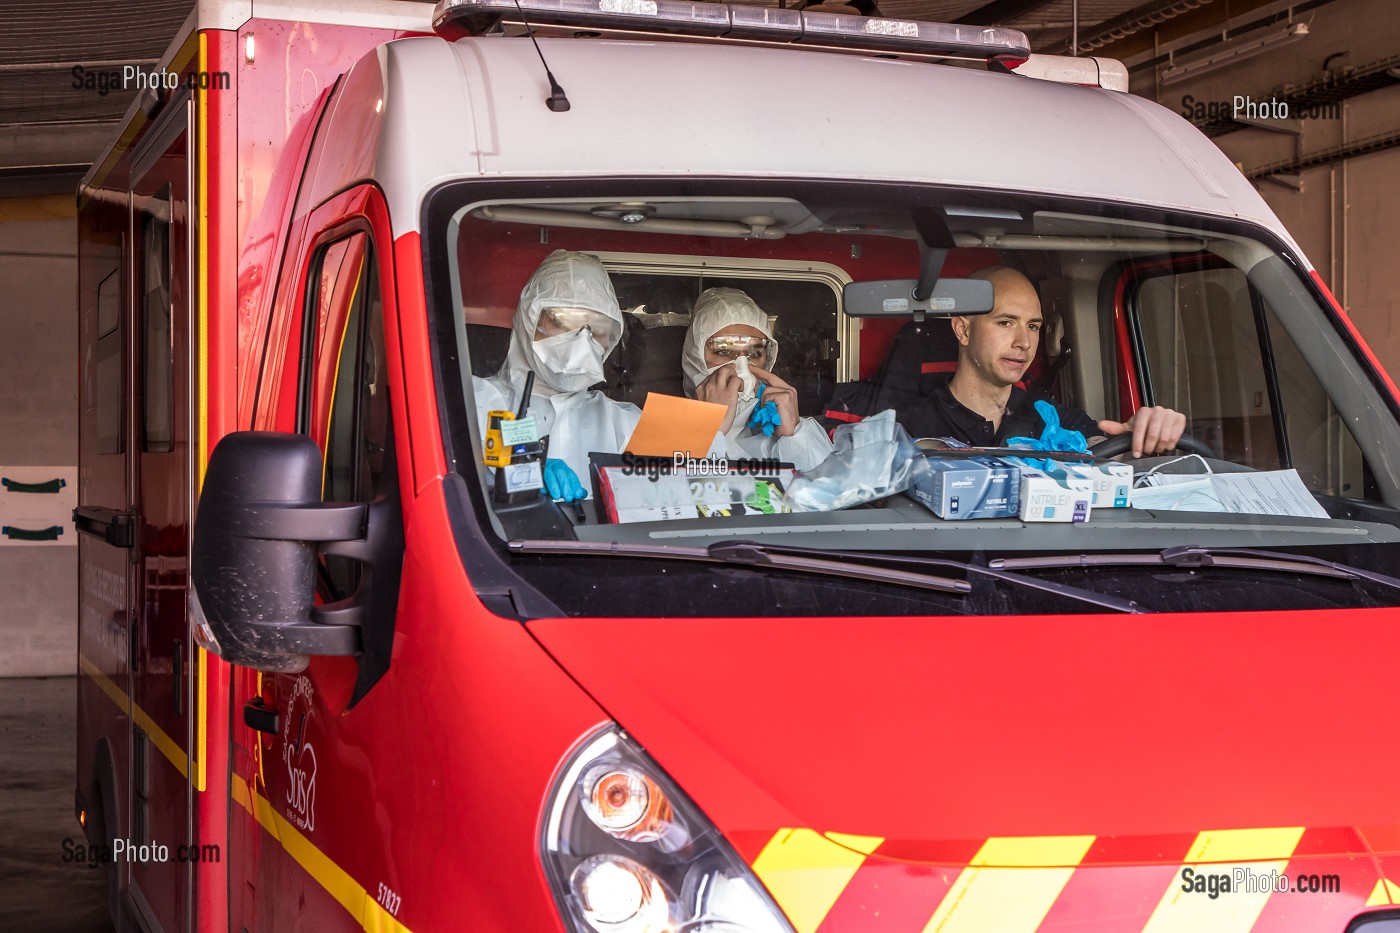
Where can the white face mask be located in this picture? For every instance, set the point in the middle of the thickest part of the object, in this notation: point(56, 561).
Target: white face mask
point(1192, 495)
point(741, 366)
point(570, 362)
point(1175, 492)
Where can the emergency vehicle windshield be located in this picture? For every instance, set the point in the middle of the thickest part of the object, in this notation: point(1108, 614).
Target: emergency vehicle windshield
point(895, 399)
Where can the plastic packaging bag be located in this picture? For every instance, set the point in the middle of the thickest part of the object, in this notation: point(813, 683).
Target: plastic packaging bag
point(872, 459)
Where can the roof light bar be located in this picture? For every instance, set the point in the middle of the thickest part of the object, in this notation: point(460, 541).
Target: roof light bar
point(457, 18)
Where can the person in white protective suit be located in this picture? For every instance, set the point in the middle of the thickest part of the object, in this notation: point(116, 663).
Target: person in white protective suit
point(728, 358)
point(565, 325)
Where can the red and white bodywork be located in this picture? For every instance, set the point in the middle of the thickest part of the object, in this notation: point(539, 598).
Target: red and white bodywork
point(862, 769)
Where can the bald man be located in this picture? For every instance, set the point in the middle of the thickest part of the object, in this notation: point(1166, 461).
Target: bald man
point(981, 405)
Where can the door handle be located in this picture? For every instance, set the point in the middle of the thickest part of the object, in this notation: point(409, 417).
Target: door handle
point(32, 534)
point(116, 528)
point(258, 715)
point(51, 486)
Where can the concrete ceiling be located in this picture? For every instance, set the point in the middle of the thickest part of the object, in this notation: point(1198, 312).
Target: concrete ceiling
point(51, 130)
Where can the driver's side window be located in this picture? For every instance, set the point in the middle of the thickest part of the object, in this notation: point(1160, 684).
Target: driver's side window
point(351, 398)
point(1213, 351)
point(1201, 344)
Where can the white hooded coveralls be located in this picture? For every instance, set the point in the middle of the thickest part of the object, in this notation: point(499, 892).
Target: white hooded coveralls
point(716, 309)
point(577, 422)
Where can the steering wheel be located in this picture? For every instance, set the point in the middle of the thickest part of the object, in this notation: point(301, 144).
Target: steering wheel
point(1122, 443)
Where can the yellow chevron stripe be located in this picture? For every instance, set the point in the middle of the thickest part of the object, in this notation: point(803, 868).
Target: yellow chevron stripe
point(806, 871)
point(168, 746)
point(1244, 845)
point(1010, 885)
point(1385, 892)
point(1220, 852)
point(337, 882)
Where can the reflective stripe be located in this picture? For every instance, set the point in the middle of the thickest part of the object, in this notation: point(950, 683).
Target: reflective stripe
point(201, 400)
point(167, 746)
point(336, 880)
point(1010, 885)
point(1385, 892)
point(1220, 852)
point(806, 871)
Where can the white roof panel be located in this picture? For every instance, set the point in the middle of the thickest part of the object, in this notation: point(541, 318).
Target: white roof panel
point(475, 108)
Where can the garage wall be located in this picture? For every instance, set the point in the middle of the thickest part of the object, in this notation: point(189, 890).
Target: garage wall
point(1346, 216)
point(38, 423)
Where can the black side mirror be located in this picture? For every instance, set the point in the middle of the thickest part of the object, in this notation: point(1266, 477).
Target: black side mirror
point(259, 522)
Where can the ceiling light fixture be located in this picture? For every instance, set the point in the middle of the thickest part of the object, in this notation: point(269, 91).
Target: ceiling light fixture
point(1232, 52)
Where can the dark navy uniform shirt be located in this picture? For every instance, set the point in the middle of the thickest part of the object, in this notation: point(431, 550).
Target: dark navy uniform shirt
point(939, 414)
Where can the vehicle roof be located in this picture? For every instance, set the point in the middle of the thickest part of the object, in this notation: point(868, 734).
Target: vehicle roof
point(475, 108)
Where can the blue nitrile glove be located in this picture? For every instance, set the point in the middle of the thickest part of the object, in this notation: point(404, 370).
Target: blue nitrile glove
point(562, 482)
point(765, 415)
point(1053, 437)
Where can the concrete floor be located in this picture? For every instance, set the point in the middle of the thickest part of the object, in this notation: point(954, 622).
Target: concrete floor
point(39, 893)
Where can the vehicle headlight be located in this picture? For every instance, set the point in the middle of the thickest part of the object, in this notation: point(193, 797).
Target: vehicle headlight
point(626, 852)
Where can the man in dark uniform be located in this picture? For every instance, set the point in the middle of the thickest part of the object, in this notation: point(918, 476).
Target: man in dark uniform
point(980, 403)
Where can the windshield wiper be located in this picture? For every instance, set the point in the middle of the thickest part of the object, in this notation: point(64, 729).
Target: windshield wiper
point(813, 560)
point(749, 554)
point(1192, 556)
point(1079, 594)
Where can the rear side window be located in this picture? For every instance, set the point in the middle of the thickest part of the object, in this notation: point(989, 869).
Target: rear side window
point(157, 350)
point(801, 313)
point(108, 391)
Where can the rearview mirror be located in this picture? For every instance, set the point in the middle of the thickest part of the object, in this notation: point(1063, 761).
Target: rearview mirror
point(895, 298)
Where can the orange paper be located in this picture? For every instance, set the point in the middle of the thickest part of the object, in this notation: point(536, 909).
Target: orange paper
point(672, 425)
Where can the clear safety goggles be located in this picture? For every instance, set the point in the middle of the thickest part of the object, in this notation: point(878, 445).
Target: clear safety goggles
point(732, 346)
point(556, 321)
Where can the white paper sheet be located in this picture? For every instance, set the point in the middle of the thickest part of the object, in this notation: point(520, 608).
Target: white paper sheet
point(1275, 492)
point(1271, 492)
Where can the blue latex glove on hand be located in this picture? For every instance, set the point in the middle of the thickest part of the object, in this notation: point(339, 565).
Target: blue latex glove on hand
point(1054, 437)
point(562, 482)
point(765, 416)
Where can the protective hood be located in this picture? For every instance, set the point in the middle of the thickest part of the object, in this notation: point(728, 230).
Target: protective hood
point(563, 280)
point(716, 309)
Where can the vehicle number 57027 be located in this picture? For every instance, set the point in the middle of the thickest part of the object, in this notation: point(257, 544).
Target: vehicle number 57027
point(389, 900)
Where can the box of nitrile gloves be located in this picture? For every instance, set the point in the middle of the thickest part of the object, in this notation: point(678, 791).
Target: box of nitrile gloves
point(1055, 496)
point(1113, 481)
point(968, 487)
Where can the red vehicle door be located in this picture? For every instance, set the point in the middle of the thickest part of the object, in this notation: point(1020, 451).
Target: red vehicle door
point(161, 760)
point(307, 776)
point(105, 605)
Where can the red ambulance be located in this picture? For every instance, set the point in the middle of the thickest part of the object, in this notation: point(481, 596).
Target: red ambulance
point(369, 691)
